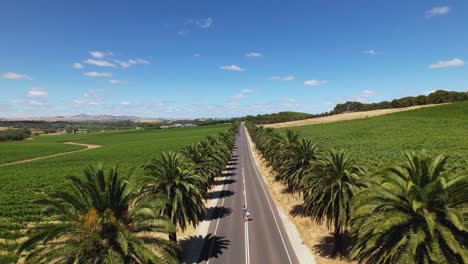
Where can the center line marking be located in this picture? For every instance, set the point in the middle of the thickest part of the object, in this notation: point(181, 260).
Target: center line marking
point(246, 224)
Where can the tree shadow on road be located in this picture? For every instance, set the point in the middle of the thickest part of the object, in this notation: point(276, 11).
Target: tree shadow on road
point(220, 194)
point(211, 247)
point(222, 182)
point(217, 212)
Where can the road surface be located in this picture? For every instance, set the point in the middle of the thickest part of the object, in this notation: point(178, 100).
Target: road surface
point(263, 239)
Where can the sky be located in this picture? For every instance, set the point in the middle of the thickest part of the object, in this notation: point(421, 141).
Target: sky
point(212, 58)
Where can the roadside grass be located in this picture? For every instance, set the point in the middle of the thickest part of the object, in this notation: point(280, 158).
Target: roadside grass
point(21, 184)
point(384, 139)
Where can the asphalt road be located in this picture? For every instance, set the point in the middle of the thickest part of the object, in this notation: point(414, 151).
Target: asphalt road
point(263, 239)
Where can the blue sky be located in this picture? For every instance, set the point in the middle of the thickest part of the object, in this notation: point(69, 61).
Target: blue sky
point(212, 58)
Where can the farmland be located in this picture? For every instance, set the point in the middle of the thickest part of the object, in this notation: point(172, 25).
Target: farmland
point(21, 150)
point(24, 183)
point(384, 139)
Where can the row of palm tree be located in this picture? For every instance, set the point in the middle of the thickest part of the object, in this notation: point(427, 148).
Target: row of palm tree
point(107, 217)
point(416, 212)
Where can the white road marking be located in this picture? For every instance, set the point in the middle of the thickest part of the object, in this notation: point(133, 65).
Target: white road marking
point(246, 225)
point(268, 200)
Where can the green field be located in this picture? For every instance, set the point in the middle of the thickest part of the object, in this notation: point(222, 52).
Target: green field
point(21, 184)
point(383, 139)
point(38, 146)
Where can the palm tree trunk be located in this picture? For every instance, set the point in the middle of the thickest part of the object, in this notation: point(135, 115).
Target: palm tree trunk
point(173, 237)
point(338, 239)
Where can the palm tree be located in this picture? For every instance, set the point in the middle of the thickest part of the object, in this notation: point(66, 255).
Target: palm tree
point(202, 164)
point(171, 177)
point(412, 214)
point(298, 163)
point(100, 220)
point(328, 190)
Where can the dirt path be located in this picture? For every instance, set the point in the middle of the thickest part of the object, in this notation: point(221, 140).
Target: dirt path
point(346, 116)
point(88, 147)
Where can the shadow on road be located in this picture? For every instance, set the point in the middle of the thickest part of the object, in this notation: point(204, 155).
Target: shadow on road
point(228, 174)
point(220, 194)
point(213, 247)
point(217, 212)
point(230, 169)
point(222, 182)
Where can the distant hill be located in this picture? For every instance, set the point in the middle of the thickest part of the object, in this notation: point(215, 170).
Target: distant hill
point(78, 118)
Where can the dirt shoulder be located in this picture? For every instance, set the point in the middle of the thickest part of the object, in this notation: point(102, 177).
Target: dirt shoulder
point(315, 237)
point(88, 147)
point(346, 116)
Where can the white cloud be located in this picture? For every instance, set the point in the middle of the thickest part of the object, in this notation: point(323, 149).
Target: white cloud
point(450, 63)
point(437, 11)
point(98, 74)
point(115, 81)
point(125, 103)
point(205, 23)
point(37, 92)
point(232, 68)
point(363, 96)
point(315, 82)
point(289, 102)
point(37, 103)
point(15, 76)
point(237, 96)
point(100, 54)
point(245, 91)
point(254, 55)
point(429, 92)
point(77, 66)
point(370, 52)
point(283, 78)
point(183, 32)
point(100, 63)
point(130, 62)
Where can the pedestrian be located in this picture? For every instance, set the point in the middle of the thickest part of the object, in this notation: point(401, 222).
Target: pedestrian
point(244, 213)
point(247, 215)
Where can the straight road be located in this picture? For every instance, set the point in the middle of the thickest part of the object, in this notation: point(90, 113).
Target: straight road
point(263, 239)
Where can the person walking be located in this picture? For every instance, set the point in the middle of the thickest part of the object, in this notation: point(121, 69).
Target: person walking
point(244, 213)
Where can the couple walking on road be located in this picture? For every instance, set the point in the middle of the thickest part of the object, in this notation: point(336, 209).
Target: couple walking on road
point(245, 213)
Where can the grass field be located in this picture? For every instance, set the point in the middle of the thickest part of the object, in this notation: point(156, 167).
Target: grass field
point(439, 129)
point(21, 184)
point(22, 150)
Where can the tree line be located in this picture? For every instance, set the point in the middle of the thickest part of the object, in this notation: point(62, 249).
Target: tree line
point(437, 97)
point(416, 212)
point(14, 134)
point(107, 217)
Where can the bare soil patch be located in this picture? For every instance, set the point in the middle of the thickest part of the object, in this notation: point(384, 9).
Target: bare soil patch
point(316, 237)
point(88, 147)
point(346, 116)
